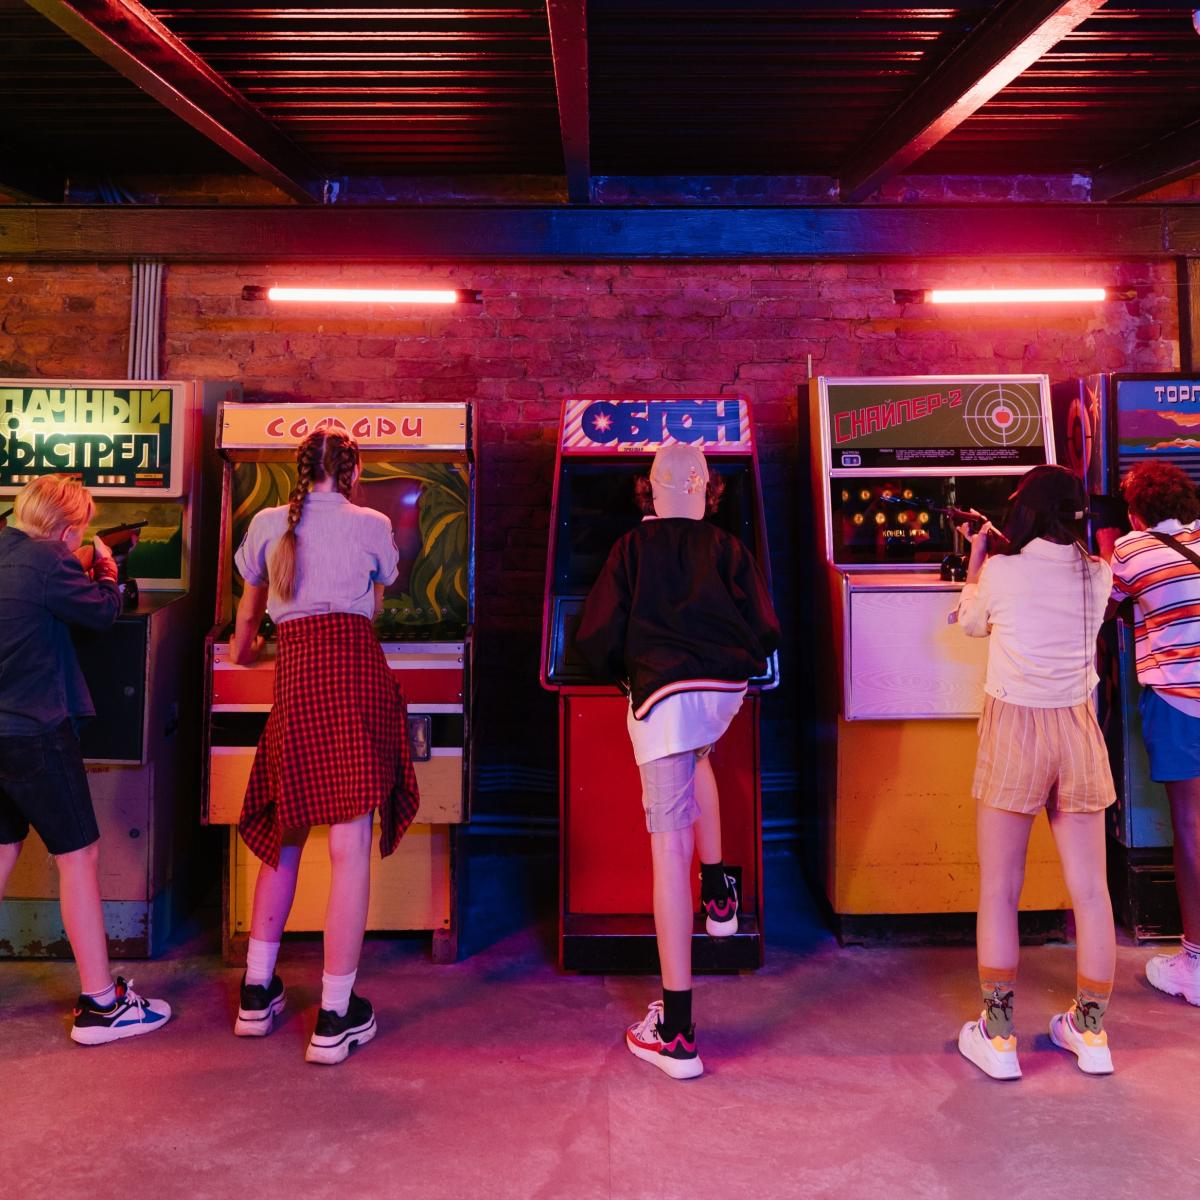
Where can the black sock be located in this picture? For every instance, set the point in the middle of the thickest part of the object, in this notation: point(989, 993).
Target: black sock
point(677, 1013)
point(712, 881)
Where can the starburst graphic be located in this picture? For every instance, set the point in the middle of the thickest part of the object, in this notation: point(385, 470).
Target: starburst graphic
point(602, 423)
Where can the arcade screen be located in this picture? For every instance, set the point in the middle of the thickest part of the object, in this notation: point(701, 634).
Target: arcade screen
point(881, 521)
point(427, 504)
point(597, 503)
point(943, 423)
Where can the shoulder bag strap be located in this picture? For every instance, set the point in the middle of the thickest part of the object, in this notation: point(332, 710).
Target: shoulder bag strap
point(1176, 544)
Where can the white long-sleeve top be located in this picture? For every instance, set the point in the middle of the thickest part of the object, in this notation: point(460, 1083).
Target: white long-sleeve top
point(1042, 609)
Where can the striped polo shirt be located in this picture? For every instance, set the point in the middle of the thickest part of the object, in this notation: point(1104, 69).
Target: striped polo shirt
point(1165, 588)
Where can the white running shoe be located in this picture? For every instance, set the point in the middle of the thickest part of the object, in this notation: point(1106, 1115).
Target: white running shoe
point(1176, 974)
point(994, 1056)
point(129, 1015)
point(678, 1057)
point(1090, 1049)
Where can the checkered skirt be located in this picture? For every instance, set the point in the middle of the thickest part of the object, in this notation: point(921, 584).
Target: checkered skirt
point(336, 743)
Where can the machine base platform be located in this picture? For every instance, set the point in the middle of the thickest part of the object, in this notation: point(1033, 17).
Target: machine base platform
point(1142, 883)
point(616, 945)
point(940, 929)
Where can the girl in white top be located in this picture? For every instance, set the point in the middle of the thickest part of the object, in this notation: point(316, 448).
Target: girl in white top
point(1041, 599)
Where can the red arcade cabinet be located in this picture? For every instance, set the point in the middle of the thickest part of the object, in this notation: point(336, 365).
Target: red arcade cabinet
point(605, 912)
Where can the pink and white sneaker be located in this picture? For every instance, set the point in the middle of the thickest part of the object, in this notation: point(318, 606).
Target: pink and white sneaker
point(721, 916)
point(678, 1057)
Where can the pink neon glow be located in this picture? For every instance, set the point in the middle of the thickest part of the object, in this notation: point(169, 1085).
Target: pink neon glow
point(1014, 295)
point(364, 295)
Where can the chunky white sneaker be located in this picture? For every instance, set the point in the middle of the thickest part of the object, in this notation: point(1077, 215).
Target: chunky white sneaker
point(1090, 1049)
point(678, 1057)
point(129, 1015)
point(1176, 974)
point(994, 1056)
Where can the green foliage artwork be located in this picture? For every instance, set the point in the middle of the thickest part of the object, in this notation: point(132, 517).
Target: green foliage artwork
point(428, 506)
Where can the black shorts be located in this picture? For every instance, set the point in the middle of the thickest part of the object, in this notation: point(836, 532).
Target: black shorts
point(43, 784)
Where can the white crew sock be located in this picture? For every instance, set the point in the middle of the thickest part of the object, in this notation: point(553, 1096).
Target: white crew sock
point(1192, 951)
point(335, 992)
point(104, 998)
point(260, 962)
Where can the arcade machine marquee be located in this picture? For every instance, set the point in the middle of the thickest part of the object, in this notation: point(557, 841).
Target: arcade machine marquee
point(418, 469)
point(606, 924)
point(893, 458)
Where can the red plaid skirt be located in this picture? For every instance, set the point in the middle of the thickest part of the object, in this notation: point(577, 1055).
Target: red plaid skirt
point(336, 743)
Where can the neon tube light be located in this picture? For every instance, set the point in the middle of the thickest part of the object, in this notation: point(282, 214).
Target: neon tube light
point(320, 295)
point(1015, 295)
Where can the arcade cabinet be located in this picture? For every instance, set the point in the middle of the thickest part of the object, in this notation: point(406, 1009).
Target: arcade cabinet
point(137, 446)
point(418, 468)
point(903, 685)
point(605, 917)
point(1105, 425)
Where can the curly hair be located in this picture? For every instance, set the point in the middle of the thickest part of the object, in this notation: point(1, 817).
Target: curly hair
point(643, 494)
point(1160, 491)
point(324, 454)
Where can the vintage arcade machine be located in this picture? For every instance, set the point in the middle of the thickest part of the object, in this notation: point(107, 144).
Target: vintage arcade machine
point(418, 468)
point(892, 459)
point(605, 916)
point(1105, 425)
point(137, 446)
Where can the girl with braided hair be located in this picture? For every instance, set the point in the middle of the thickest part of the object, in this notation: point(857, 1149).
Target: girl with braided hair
point(335, 746)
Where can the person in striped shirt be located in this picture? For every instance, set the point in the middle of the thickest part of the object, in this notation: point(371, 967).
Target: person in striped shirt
point(1157, 565)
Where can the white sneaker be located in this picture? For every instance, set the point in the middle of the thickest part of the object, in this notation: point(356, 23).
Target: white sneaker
point(994, 1056)
point(129, 1015)
point(678, 1057)
point(1091, 1049)
point(1176, 974)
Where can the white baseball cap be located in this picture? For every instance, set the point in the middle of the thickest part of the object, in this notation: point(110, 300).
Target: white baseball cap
point(679, 478)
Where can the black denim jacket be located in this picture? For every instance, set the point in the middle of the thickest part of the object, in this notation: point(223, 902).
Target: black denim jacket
point(43, 591)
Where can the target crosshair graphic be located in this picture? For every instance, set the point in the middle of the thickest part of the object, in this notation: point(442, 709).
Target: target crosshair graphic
point(999, 414)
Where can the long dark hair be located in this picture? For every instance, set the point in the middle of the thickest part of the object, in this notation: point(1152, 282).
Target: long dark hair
point(1051, 503)
point(325, 453)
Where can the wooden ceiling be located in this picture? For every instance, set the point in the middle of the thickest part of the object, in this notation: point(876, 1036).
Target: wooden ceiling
point(856, 91)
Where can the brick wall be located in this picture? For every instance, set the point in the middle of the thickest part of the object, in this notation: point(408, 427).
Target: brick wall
point(547, 331)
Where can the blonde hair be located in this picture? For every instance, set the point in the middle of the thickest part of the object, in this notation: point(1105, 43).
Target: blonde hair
point(325, 453)
point(50, 504)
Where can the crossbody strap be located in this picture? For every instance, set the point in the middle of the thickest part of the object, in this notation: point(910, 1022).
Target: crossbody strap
point(1176, 544)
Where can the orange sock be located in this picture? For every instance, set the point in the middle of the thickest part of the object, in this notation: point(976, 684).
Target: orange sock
point(1091, 1002)
point(998, 985)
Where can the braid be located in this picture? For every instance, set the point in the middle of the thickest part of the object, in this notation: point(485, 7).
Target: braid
point(281, 564)
point(341, 461)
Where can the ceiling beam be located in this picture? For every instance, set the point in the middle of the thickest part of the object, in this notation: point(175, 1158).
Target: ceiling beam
point(559, 233)
point(569, 48)
point(1004, 44)
point(1174, 157)
point(129, 38)
point(32, 184)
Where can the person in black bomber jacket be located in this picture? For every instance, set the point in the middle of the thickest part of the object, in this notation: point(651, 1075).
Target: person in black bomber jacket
point(681, 611)
point(43, 591)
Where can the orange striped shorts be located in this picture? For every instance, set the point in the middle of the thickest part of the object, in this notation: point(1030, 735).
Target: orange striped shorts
point(1034, 758)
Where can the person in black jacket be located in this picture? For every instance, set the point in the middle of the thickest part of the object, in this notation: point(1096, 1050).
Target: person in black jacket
point(681, 611)
point(43, 785)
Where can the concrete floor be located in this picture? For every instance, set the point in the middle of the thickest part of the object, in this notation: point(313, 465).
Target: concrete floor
point(830, 1073)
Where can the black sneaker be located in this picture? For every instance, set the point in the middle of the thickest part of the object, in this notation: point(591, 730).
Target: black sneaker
point(677, 1057)
point(259, 1006)
point(721, 915)
point(334, 1035)
point(128, 1016)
